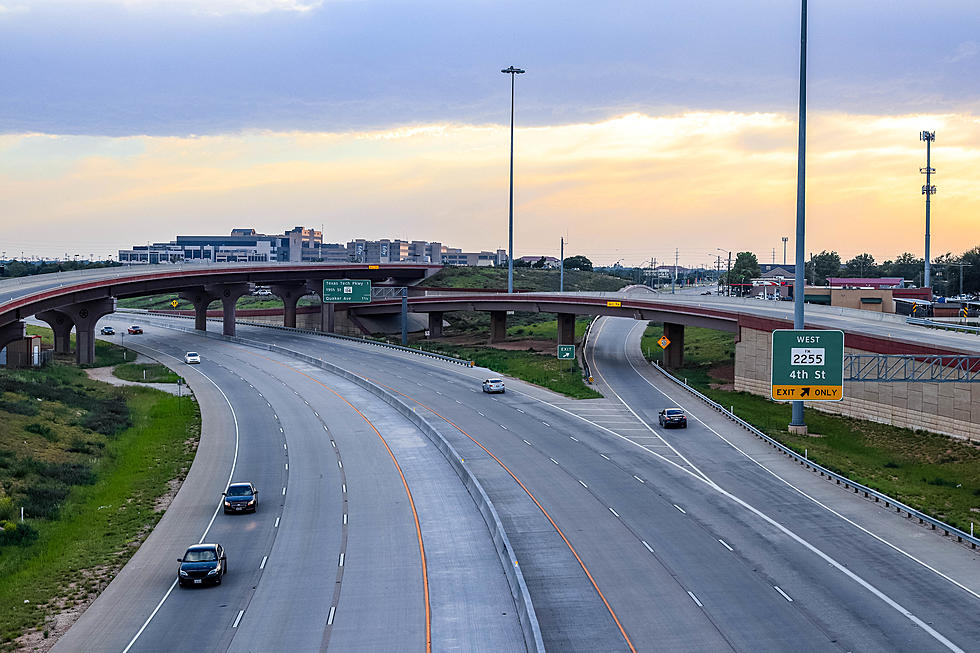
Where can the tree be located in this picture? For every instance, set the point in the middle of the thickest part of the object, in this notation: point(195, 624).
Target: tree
point(540, 263)
point(578, 263)
point(744, 270)
point(970, 270)
point(862, 265)
point(825, 264)
point(906, 266)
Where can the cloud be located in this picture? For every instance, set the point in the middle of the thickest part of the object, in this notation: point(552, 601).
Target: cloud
point(632, 187)
point(965, 50)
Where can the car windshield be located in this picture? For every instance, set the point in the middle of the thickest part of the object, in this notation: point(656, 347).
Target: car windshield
point(239, 491)
point(135, 326)
point(494, 381)
point(200, 555)
point(192, 354)
point(674, 412)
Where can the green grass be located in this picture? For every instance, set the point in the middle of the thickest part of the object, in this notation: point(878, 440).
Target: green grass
point(547, 330)
point(145, 373)
point(112, 479)
point(540, 369)
point(933, 473)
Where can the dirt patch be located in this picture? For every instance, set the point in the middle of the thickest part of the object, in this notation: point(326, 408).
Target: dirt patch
point(543, 346)
point(724, 372)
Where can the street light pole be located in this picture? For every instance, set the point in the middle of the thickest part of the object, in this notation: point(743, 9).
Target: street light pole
point(513, 72)
point(928, 190)
point(797, 423)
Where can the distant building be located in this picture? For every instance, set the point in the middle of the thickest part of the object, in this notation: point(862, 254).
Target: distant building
point(865, 282)
point(550, 262)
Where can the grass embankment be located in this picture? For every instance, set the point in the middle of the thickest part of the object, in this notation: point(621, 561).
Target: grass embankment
point(87, 461)
point(933, 473)
point(145, 373)
point(540, 369)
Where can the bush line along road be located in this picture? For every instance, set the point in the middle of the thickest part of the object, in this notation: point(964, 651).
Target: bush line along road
point(629, 537)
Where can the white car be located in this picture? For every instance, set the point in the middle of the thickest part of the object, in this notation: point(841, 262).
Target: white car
point(493, 385)
point(192, 357)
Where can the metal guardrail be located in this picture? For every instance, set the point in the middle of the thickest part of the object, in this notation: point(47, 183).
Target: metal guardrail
point(946, 326)
point(378, 343)
point(911, 368)
point(961, 536)
point(505, 551)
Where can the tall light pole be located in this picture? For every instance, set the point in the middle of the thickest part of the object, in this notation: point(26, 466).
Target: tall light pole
point(728, 275)
point(797, 423)
point(928, 190)
point(561, 280)
point(513, 72)
point(785, 238)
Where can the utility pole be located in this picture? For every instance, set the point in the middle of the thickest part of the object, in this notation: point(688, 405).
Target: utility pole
point(785, 238)
point(928, 190)
point(728, 276)
point(774, 256)
point(561, 282)
point(673, 280)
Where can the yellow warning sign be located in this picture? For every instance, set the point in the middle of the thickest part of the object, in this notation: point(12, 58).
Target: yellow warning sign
point(174, 303)
point(612, 304)
point(374, 267)
point(805, 392)
point(663, 342)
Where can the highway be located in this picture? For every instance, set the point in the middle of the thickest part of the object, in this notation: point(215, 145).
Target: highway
point(628, 537)
point(332, 557)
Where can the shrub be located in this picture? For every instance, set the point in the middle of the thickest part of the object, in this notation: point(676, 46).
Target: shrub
point(109, 417)
point(22, 407)
point(20, 533)
point(43, 500)
point(43, 430)
point(8, 510)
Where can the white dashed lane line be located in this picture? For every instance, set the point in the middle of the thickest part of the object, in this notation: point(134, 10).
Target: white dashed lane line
point(700, 605)
point(725, 544)
point(784, 594)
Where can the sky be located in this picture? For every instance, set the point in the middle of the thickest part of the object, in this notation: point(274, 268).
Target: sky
point(643, 128)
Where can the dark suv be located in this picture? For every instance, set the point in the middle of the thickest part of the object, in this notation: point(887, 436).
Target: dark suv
point(202, 564)
point(673, 417)
point(241, 497)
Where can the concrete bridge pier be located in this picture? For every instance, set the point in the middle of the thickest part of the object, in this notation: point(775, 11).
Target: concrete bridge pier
point(86, 315)
point(201, 299)
point(674, 354)
point(228, 294)
point(566, 328)
point(498, 326)
point(61, 325)
point(11, 332)
point(289, 294)
point(435, 324)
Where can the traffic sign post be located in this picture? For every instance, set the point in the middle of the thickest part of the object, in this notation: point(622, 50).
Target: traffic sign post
point(807, 365)
point(350, 291)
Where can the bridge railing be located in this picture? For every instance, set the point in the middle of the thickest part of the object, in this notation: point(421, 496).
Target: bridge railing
point(946, 326)
point(869, 493)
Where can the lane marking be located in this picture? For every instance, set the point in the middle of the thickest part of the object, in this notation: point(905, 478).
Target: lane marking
point(573, 438)
point(344, 487)
point(647, 546)
point(340, 464)
point(520, 411)
point(583, 484)
point(679, 508)
point(504, 427)
point(527, 443)
point(341, 560)
point(725, 544)
point(284, 492)
point(605, 456)
point(553, 460)
point(238, 619)
point(262, 565)
point(546, 424)
point(785, 595)
point(700, 605)
point(638, 478)
point(276, 525)
point(231, 474)
point(287, 467)
point(330, 615)
point(614, 512)
point(345, 519)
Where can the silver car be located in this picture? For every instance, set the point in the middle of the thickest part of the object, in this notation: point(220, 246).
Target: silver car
point(192, 357)
point(493, 385)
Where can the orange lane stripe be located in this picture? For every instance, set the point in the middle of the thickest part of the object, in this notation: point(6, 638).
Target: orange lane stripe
point(540, 507)
point(411, 501)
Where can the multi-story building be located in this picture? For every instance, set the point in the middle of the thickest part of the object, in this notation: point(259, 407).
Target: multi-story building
point(301, 244)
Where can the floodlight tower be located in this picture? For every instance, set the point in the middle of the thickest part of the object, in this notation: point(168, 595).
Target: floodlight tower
point(928, 190)
point(785, 238)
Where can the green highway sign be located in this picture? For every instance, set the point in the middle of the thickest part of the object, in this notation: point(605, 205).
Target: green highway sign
point(566, 352)
point(354, 291)
point(807, 365)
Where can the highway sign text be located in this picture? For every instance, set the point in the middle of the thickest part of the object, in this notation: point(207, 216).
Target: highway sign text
point(355, 291)
point(807, 365)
